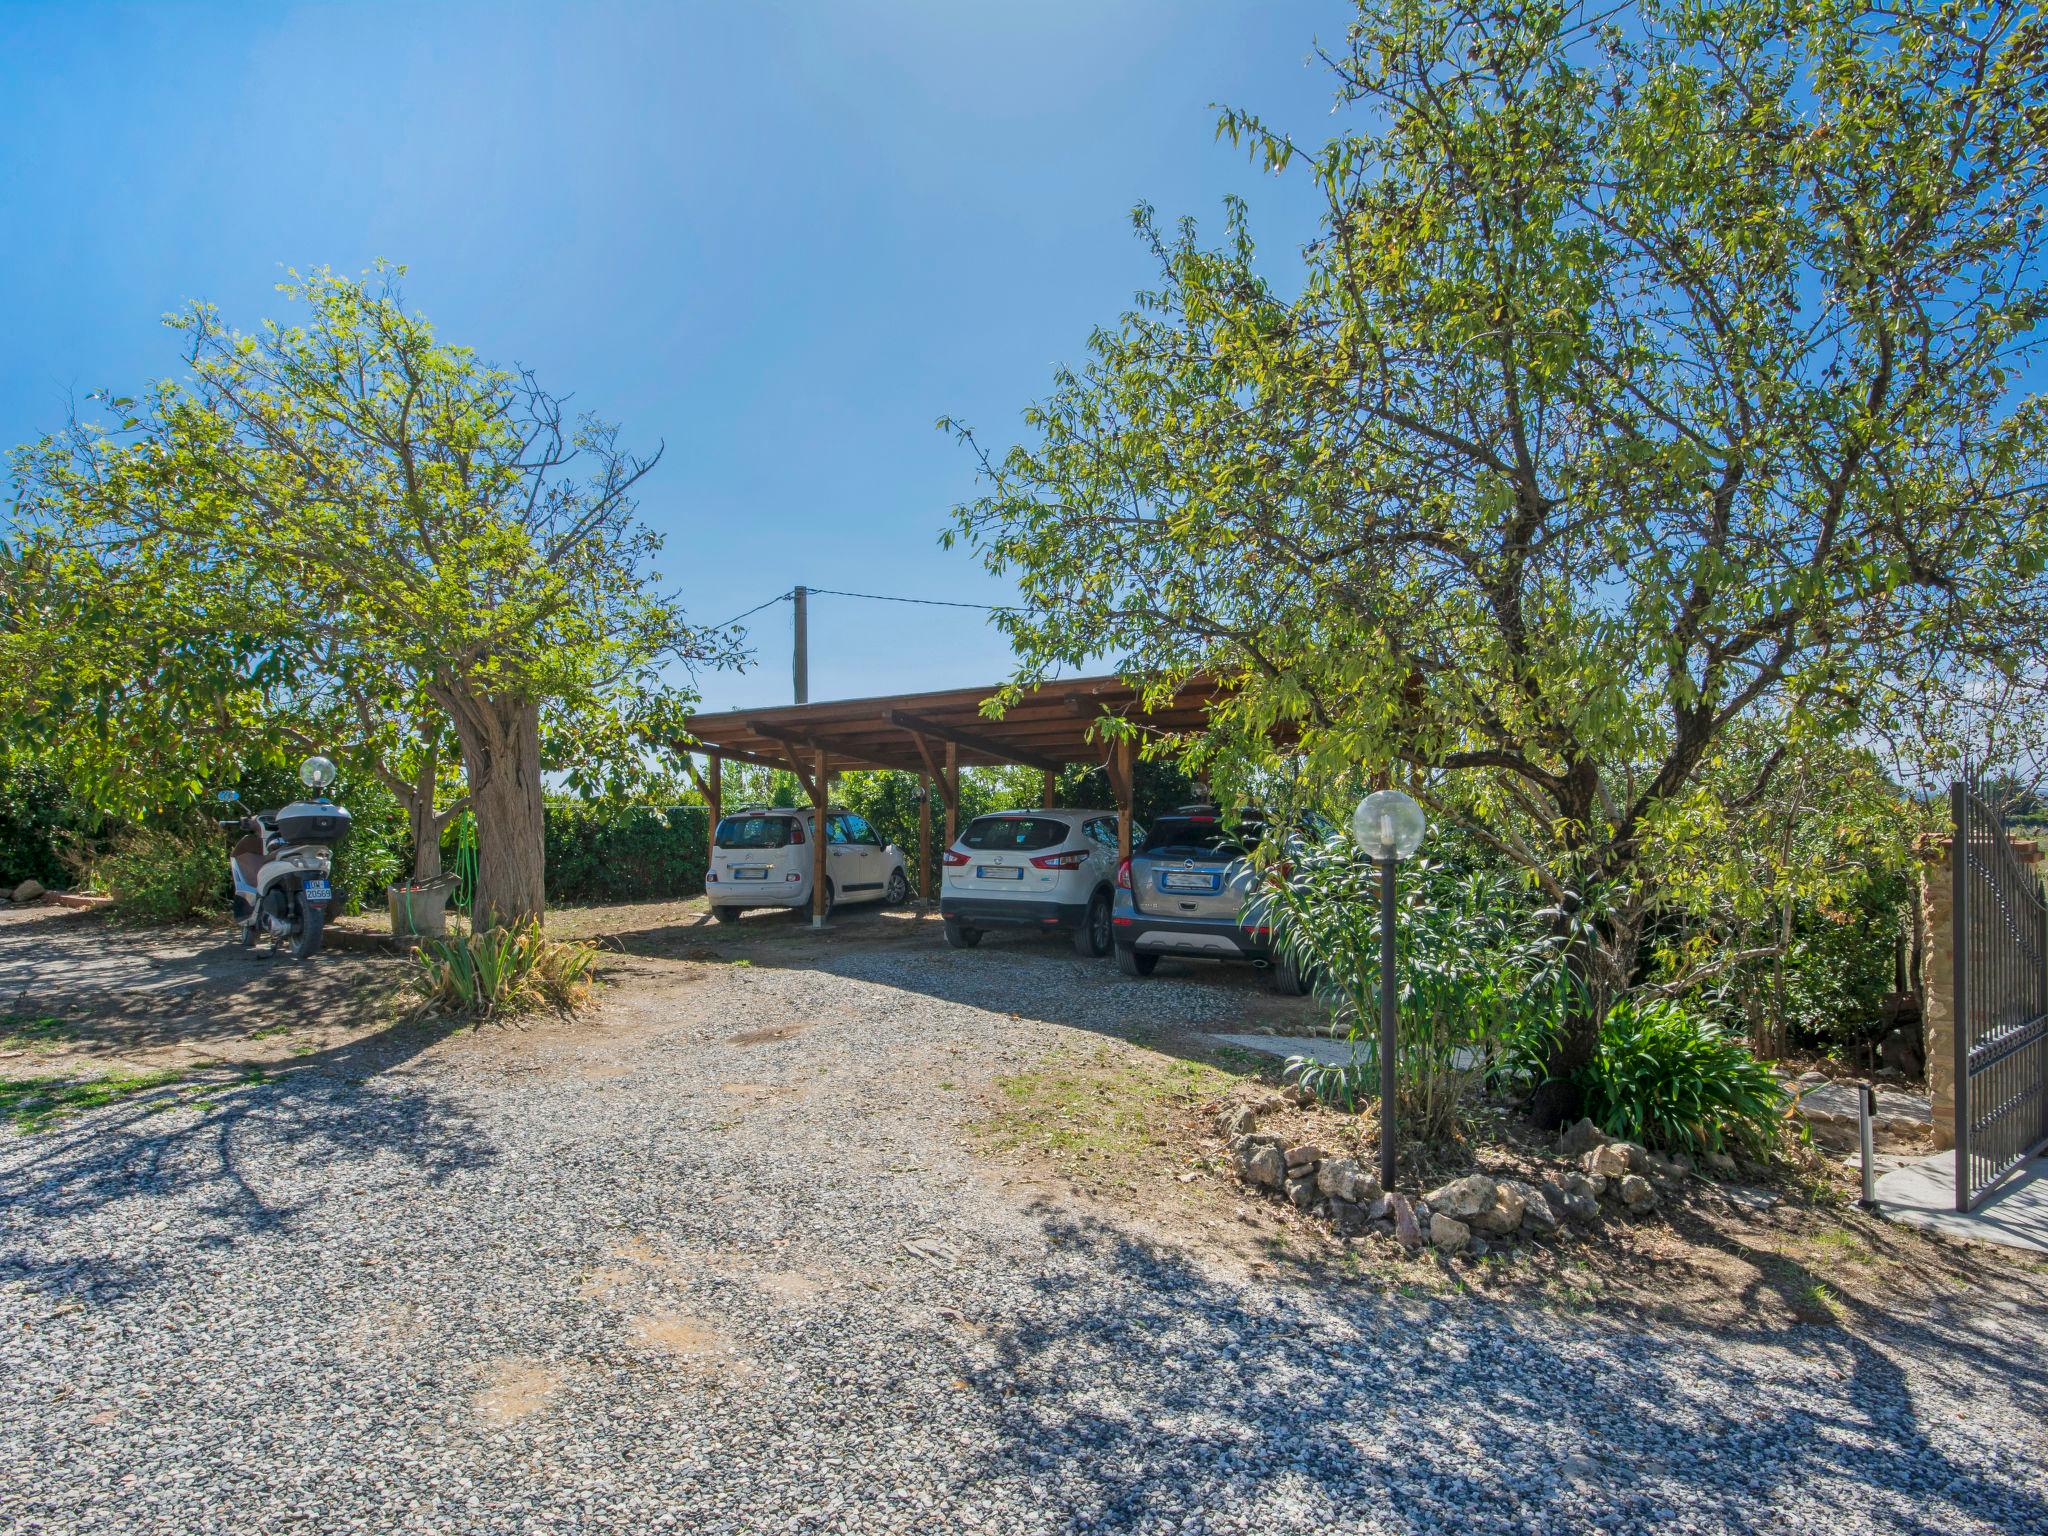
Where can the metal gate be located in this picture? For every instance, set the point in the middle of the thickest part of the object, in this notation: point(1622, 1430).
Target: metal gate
point(2001, 1002)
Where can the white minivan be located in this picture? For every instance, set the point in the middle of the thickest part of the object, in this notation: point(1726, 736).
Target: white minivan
point(761, 857)
point(1046, 869)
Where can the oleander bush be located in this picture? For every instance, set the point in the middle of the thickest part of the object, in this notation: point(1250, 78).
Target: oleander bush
point(1476, 969)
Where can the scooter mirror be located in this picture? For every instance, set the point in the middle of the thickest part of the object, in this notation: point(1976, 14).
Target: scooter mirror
point(226, 796)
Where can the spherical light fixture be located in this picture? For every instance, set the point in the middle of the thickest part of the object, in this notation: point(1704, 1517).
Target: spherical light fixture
point(1388, 825)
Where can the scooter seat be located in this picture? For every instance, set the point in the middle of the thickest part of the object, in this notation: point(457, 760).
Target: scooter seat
point(248, 858)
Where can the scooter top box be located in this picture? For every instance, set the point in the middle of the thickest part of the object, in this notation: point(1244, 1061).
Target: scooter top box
point(307, 821)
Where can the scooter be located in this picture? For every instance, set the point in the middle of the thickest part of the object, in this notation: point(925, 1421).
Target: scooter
point(284, 862)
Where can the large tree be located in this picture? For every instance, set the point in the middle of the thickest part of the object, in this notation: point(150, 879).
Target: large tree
point(1654, 368)
point(399, 541)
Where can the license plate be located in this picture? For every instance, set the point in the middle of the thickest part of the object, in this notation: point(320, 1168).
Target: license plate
point(1188, 880)
point(750, 874)
point(999, 872)
point(317, 890)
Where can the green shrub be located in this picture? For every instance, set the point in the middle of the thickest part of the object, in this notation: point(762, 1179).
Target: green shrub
point(164, 875)
point(1665, 1079)
point(602, 851)
point(43, 826)
point(499, 973)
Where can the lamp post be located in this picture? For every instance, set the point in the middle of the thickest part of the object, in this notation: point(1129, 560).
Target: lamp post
point(1388, 826)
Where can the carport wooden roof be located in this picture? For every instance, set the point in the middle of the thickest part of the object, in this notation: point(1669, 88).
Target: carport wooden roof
point(935, 735)
point(1046, 727)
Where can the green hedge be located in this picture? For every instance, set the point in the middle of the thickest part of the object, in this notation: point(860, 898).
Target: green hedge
point(599, 852)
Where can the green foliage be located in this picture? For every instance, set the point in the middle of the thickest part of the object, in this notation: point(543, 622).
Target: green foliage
point(1664, 1079)
point(43, 827)
point(1476, 969)
point(1649, 373)
point(358, 533)
point(164, 874)
point(610, 852)
point(500, 973)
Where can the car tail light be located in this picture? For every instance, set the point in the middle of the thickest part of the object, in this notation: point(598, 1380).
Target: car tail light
point(796, 833)
point(1123, 875)
point(1072, 860)
point(711, 877)
point(952, 858)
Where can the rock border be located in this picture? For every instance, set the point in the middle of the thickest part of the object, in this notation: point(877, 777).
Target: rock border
point(1473, 1214)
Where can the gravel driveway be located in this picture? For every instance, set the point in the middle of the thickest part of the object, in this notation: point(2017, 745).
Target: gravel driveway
point(718, 1261)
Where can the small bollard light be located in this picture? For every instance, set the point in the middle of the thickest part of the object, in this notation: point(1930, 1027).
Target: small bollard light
point(1388, 827)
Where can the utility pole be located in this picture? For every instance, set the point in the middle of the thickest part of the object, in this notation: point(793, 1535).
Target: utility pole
point(801, 666)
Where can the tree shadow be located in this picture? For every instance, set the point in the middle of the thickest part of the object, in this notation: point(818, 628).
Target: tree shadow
point(247, 1153)
point(116, 990)
point(1138, 1388)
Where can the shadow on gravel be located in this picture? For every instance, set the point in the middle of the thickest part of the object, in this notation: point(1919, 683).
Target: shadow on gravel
point(252, 1151)
point(1021, 974)
point(1139, 1390)
point(119, 989)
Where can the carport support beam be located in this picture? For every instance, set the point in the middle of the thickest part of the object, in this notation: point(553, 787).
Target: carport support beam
point(952, 794)
point(820, 801)
point(1045, 799)
point(713, 799)
point(1126, 795)
point(924, 838)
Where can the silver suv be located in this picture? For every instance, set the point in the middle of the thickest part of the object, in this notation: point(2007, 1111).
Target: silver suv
point(1183, 891)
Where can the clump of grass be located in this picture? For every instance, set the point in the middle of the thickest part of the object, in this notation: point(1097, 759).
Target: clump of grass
point(33, 1103)
point(1108, 1104)
point(25, 1031)
point(500, 973)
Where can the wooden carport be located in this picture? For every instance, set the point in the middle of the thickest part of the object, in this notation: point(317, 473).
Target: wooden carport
point(935, 735)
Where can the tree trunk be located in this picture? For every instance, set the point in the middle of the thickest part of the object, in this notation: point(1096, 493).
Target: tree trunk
point(426, 826)
point(501, 756)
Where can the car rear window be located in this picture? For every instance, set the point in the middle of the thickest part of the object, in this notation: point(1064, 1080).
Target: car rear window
point(990, 834)
point(1194, 836)
point(754, 832)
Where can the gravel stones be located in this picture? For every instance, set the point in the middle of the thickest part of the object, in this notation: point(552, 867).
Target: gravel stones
point(569, 1279)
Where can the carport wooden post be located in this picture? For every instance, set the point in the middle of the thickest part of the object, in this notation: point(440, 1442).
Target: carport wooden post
point(924, 837)
point(1126, 794)
point(714, 797)
point(1045, 797)
point(820, 799)
point(952, 794)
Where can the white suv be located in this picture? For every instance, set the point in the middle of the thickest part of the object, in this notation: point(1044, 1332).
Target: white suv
point(1035, 869)
point(761, 857)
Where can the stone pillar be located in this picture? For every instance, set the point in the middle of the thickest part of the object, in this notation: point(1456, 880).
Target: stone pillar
point(1938, 973)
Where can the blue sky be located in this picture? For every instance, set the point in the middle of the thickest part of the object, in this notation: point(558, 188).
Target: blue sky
point(780, 238)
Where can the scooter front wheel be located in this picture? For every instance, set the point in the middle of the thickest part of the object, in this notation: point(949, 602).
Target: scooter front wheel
point(312, 923)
